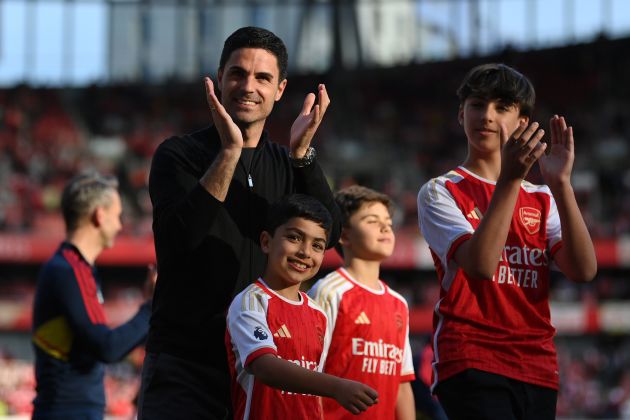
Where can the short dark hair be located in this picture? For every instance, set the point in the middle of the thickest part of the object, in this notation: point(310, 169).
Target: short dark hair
point(253, 37)
point(498, 81)
point(350, 199)
point(83, 193)
point(298, 205)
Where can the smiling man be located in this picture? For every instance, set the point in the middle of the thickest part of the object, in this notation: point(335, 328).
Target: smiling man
point(210, 192)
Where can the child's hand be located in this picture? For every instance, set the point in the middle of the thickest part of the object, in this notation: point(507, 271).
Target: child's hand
point(556, 166)
point(355, 396)
point(520, 150)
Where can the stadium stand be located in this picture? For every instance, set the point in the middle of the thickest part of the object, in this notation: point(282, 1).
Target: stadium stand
point(389, 129)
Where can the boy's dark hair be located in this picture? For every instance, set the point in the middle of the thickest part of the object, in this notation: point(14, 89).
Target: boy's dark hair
point(253, 37)
point(497, 81)
point(298, 205)
point(350, 199)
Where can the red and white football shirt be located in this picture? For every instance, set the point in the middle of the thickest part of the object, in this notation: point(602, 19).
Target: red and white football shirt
point(370, 340)
point(500, 325)
point(260, 321)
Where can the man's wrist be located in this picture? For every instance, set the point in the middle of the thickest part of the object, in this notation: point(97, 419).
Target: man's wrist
point(304, 160)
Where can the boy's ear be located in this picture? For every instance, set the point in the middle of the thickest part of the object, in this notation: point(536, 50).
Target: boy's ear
point(343, 239)
point(523, 118)
point(265, 238)
point(460, 115)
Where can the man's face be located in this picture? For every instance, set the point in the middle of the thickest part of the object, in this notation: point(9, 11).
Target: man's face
point(294, 252)
point(482, 120)
point(369, 235)
point(109, 220)
point(249, 84)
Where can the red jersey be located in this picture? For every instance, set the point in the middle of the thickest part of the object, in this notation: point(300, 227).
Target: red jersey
point(260, 321)
point(370, 340)
point(500, 325)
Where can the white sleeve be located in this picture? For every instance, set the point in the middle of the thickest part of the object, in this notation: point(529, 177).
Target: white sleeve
point(407, 362)
point(554, 230)
point(247, 325)
point(440, 219)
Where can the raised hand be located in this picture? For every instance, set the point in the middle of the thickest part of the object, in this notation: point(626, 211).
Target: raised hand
point(229, 133)
point(556, 166)
point(520, 150)
point(355, 396)
point(305, 126)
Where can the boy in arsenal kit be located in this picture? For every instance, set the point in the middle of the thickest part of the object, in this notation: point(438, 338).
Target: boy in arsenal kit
point(369, 321)
point(276, 335)
point(494, 238)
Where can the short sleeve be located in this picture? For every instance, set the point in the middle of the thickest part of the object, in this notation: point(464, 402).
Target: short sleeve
point(441, 222)
point(248, 328)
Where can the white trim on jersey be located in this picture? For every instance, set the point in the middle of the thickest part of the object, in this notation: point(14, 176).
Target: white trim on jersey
point(436, 353)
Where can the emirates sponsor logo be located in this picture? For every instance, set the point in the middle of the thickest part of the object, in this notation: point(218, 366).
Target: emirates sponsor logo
point(516, 255)
point(530, 219)
point(380, 349)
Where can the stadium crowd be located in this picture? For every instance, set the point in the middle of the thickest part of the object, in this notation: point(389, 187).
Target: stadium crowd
point(390, 129)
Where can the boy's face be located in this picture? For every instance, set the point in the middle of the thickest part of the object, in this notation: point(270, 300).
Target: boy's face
point(294, 252)
point(249, 84)
point(369, 234)
point(482, 120)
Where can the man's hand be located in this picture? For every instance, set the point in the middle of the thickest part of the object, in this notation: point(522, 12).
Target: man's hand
point(230, 134)
point(556, 166)
point(305, 126)
point(149, 283)
point(354, 396)
point(520, 150)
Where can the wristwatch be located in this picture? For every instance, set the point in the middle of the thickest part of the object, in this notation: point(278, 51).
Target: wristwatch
point(306, 160)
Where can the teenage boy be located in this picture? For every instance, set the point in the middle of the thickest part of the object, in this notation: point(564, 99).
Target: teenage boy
point(369, 321)
point(276, 336)
point(494, 237)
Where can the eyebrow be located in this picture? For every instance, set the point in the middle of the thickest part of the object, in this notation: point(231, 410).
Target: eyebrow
point(302, 233)
point(238, 68)
point(374, 215)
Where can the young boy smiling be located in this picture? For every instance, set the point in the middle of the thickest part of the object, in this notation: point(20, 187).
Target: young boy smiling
point(369, 321)
point(493, 238)
point(276, 336)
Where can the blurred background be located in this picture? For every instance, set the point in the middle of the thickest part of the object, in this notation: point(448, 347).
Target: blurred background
point(100, 83)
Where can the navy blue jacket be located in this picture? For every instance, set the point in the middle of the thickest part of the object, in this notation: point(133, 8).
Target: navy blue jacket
point(70, 338)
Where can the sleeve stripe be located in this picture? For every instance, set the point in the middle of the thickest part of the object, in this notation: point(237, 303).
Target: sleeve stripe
point(555, 248)
point(257, 353)
point(96, 316)
point(456, 243)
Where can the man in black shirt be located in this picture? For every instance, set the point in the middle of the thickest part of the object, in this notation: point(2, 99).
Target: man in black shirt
point(210, 192)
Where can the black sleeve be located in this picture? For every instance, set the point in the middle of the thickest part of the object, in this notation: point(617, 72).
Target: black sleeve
point(183, 211)
point(311, 180)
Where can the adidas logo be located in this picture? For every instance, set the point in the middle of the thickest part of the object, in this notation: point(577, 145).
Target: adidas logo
point(475, 214)
point(362, 319)
point(282, 332)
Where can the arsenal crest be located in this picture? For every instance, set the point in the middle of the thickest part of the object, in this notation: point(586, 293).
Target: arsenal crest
point(530, 219)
